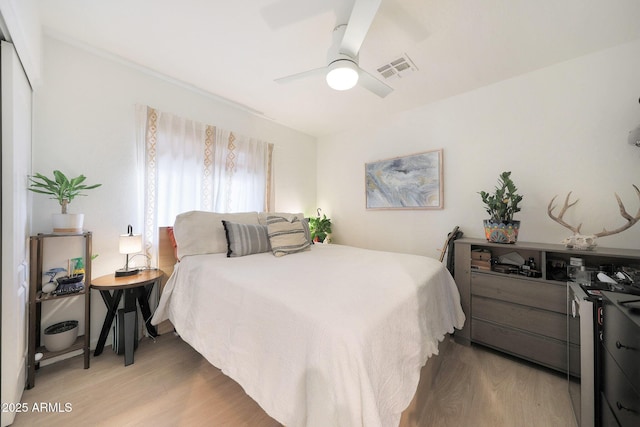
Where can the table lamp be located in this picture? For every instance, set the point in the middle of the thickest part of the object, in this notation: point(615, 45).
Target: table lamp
point(129, 244)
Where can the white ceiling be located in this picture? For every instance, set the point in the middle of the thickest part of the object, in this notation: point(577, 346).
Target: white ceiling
point(236, 48)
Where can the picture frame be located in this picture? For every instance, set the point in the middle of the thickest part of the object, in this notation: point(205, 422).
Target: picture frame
point(407, 182)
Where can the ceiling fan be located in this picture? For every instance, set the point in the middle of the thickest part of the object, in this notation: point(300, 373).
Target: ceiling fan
point(342, 69)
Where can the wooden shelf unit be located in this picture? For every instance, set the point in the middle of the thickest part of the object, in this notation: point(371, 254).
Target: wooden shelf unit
point(519, 315)
point(37, 298)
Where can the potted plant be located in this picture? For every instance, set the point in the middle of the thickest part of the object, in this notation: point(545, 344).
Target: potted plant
point(320, 228)
point(64, 190)
point(501, 206)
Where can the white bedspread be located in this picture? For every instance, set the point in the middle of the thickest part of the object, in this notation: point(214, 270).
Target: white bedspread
point(334, 336)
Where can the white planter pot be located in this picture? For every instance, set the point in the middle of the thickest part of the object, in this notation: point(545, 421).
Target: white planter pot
point(67, 223)
point(60, 336)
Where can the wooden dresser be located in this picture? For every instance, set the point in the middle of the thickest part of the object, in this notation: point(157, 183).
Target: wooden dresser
point(620, 403)
point(523, 316)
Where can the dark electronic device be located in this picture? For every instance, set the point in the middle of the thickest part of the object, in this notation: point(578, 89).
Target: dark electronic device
point(505, 268)
point(69, 285)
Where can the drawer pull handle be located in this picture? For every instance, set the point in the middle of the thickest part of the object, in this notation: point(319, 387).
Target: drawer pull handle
point(622, 407)
point(620, 345)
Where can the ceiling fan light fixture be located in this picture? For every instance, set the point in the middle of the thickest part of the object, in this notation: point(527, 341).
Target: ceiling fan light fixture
point(342, 74)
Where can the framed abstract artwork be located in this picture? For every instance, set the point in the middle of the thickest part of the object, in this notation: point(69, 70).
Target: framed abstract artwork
point(409, 182)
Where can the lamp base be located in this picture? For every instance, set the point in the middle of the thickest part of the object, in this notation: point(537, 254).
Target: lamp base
point(127, 272)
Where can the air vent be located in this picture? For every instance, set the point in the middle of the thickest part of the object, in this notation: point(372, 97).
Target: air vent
point(397, 68)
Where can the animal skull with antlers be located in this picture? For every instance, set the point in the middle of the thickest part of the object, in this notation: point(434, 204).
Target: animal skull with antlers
point(586, 242)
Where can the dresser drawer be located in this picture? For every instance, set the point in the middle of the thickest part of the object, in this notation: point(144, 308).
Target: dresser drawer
point(546, 351)
point(533, 293)
point(542, 322)
point(607, 418)
point(622, 341)
point(623, 400)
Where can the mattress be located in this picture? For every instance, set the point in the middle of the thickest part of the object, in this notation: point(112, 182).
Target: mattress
point(333, 336)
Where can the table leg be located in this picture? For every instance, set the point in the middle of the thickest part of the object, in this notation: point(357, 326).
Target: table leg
point(129, 325)
point(143, 301)
point(111, 301)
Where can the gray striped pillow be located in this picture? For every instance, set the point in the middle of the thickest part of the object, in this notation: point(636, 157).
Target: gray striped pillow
point(286, 236)
point(245, 239)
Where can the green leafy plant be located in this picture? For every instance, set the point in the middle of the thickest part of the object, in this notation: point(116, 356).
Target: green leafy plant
point(503, 203)
point(63, 189)
point(319, 227)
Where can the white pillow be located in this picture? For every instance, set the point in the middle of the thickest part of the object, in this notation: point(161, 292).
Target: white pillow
point(199, 232)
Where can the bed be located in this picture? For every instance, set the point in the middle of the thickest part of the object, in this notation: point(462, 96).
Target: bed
point(329, 335)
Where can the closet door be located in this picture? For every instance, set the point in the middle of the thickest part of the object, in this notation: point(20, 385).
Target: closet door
point(16, 167)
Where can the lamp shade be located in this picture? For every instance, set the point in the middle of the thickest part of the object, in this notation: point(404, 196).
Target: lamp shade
point(130, 243)
point(342, 75)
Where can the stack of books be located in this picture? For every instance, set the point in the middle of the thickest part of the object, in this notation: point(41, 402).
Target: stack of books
point(481, 259)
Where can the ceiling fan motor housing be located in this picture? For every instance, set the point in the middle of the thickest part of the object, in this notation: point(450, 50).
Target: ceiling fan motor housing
point(334, 53)
point(342, 69)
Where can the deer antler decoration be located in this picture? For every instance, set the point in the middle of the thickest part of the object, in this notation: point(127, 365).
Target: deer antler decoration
point(631, 220)
point(558, 219)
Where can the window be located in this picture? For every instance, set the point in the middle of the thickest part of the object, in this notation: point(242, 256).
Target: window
point(187, 165)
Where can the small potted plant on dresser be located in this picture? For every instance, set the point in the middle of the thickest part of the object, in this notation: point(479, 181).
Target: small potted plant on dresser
point(501, 206)
point(64, 190)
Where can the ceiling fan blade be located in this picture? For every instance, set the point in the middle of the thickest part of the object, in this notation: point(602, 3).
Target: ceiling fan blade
point(302, 75)
point(374, 85)
point(359, 23)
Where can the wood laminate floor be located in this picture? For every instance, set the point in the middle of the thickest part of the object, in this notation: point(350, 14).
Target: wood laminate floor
point(170, 384)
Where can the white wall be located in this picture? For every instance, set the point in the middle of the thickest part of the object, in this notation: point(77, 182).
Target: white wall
point(84, 123)
point(23, 25)
point(559, 129)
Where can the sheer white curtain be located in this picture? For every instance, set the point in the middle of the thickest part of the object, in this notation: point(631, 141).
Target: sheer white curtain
point(187, 165)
